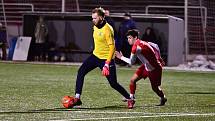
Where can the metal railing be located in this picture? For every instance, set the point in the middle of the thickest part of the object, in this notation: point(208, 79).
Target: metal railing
point(19, 4)
point(12, 4)
point(182, 7)
point(204, 20)
point(63, 6)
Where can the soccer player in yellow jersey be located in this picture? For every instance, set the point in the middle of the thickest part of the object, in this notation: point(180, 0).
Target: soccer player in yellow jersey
point(102, 57)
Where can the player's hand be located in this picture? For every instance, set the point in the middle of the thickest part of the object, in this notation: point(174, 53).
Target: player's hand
point(118, 54)
point(105, 69)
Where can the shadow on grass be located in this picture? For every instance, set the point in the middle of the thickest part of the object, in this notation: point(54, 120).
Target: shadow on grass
point(197, 93)
point(207, 93)
point(57, 110)
point(106, 108)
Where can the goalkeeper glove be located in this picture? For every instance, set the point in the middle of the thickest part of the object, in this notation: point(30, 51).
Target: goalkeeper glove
point(105, 69)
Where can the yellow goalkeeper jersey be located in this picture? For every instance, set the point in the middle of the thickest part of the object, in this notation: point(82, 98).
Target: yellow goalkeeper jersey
point(103, 39)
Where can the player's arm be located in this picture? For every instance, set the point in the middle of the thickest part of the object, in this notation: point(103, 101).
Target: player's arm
point(130, 60)
point(109, 37)
point(133, 55)
point(110, 41)
point(105, 69)
point(157, 52)
point(111, 52)
point(155, 46)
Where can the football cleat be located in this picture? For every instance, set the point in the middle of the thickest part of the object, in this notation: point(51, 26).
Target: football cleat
point(77, 102)
point(131, 103)
point(125, 99)
point(162, 101)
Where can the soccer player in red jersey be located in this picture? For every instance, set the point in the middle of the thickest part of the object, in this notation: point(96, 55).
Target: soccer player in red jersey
point(149, 54)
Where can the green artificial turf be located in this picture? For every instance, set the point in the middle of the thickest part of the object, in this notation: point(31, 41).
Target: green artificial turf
point(30, 92)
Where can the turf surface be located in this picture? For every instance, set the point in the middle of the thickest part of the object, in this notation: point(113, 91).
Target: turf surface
point(33, 93)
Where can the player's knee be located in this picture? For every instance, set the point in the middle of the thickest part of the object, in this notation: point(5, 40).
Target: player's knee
point(114, 85)
point(155, 88)
point(81, 71)
point(132, 81)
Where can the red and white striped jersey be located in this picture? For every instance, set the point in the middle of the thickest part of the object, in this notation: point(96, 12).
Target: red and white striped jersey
point(147, 52)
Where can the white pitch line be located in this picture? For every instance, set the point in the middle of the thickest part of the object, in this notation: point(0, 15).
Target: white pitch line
point(112, 112)
point(147, 115)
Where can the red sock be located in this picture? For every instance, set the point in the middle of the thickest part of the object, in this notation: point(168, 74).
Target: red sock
point(132, 87)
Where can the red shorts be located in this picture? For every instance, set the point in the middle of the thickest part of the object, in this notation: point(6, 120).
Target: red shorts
point(154, 76)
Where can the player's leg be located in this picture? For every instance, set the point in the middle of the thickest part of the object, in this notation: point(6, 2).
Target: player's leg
point(112, 79)
point(132, 87)
point(155, 79)
point(134, 79)
point(89, 64)
point(163, 99)
point(139, 74)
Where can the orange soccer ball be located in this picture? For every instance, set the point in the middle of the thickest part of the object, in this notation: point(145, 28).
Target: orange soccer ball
point(67, 101)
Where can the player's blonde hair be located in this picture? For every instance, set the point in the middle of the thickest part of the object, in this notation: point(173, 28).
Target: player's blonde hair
point(100, 11)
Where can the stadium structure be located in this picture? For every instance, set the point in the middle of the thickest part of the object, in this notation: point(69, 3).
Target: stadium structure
point(194, 35)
